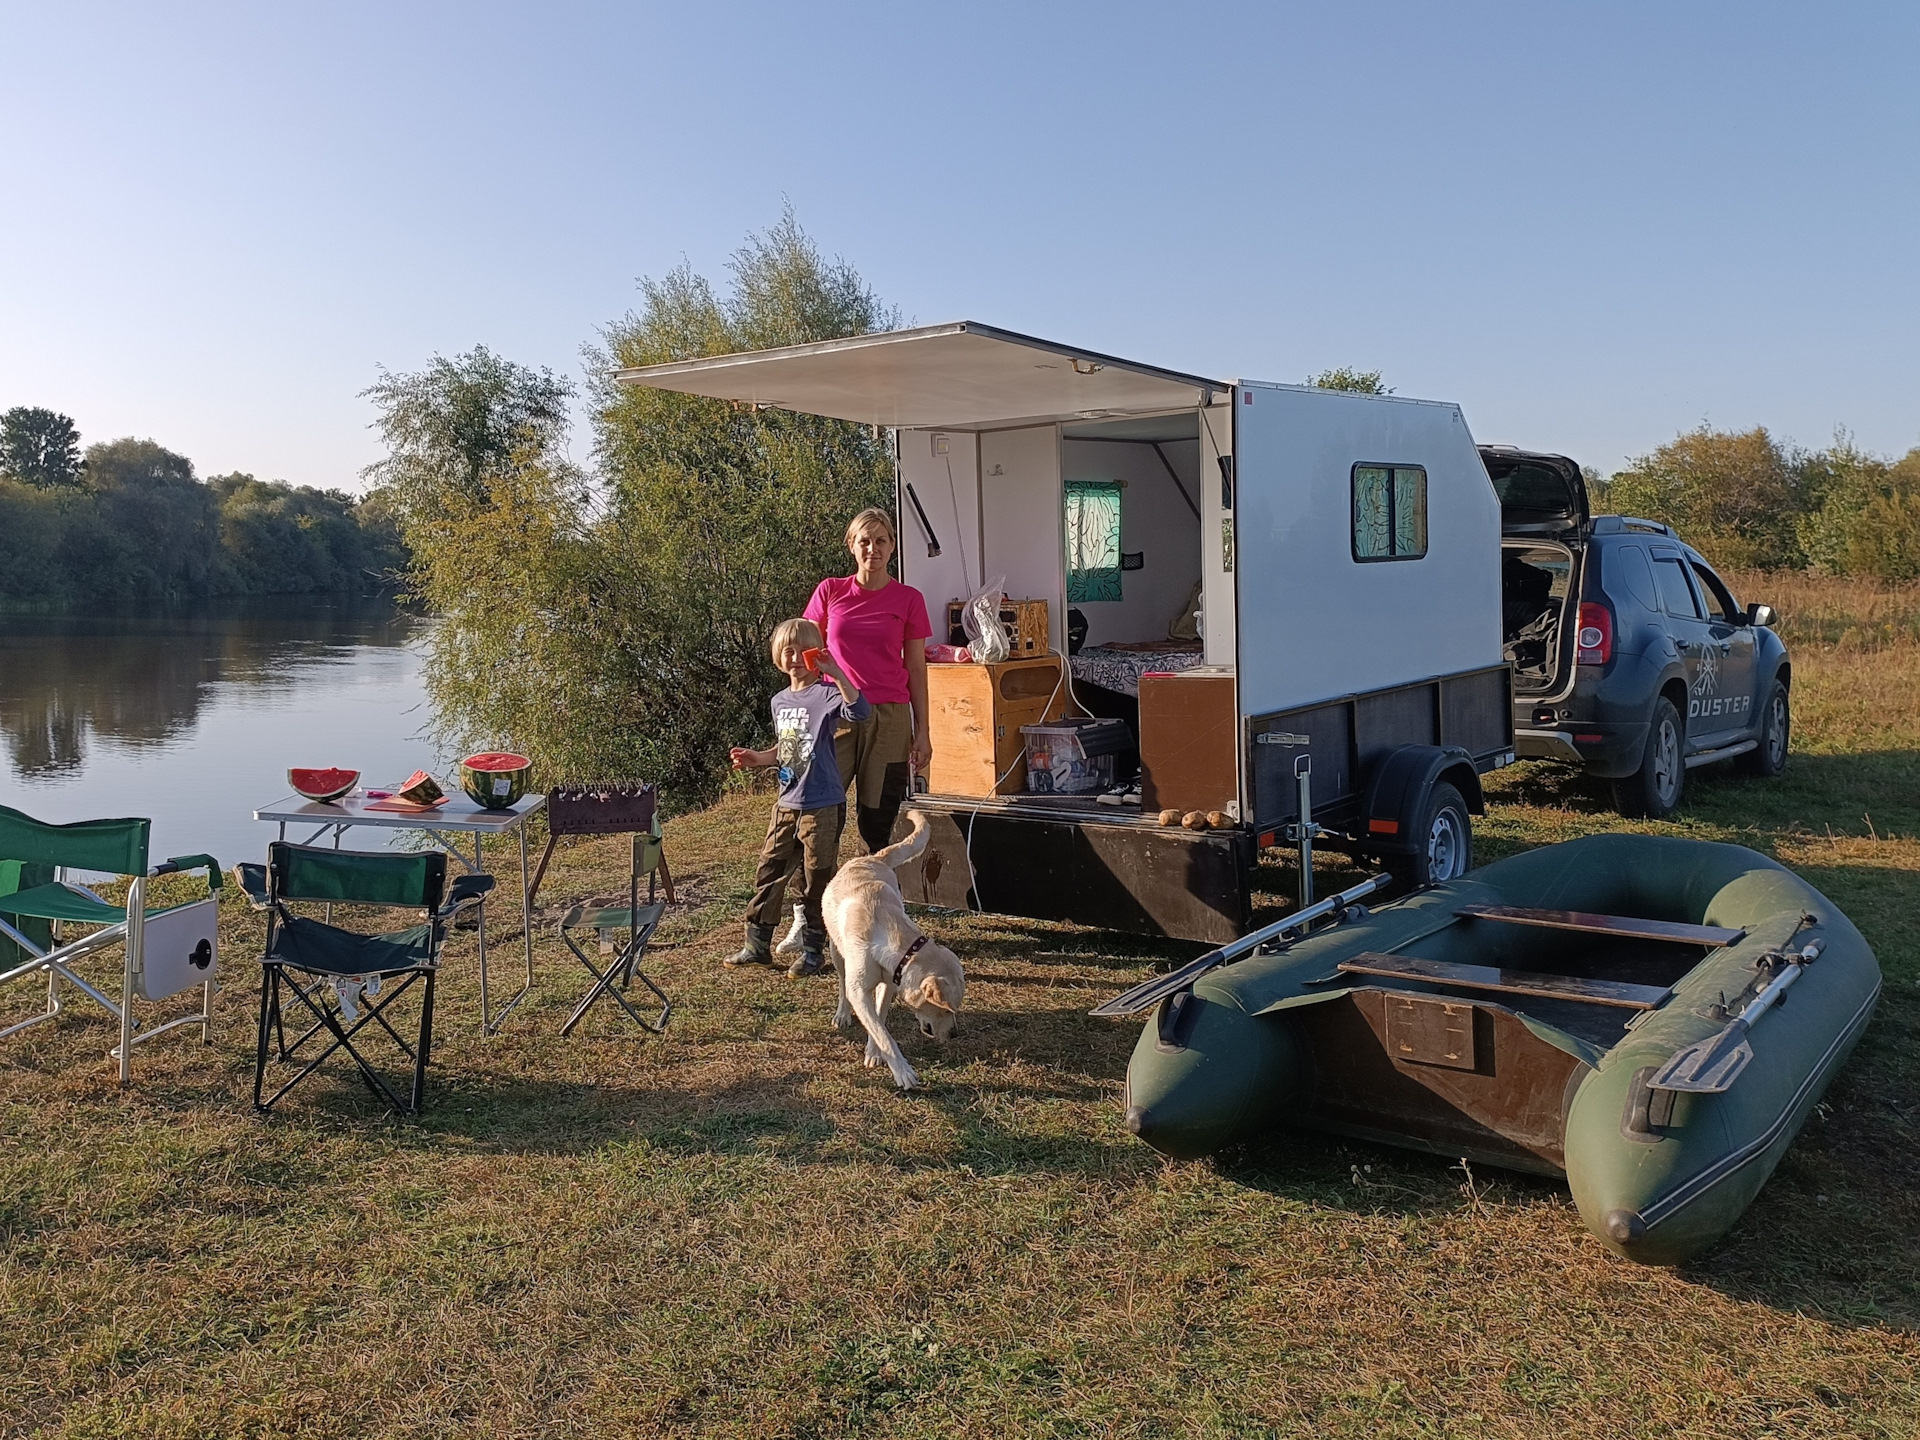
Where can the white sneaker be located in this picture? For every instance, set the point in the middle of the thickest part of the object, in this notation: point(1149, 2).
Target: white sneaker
point(792, 944)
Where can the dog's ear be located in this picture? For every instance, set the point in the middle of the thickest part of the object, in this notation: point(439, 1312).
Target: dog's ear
point(931, 993)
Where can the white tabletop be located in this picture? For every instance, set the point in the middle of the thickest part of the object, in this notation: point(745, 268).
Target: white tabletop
point(458, 813)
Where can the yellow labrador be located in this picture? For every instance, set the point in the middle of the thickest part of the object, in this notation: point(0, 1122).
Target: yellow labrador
point(884, 955)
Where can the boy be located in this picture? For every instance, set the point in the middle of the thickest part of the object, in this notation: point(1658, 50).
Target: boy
point(808, 812)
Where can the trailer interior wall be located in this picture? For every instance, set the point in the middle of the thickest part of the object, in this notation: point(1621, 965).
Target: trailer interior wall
point(1218, 539)
point(1157, 522)
point(1022, 517)
point(1300, 584)
point(948, 488)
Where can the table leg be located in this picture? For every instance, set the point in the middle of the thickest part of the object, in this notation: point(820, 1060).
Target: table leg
point(490, 1022)
point(486, 1026)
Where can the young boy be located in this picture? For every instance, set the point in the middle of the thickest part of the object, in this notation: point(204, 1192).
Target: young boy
point(812, 803)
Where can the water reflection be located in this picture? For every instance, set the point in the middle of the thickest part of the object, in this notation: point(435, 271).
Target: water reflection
point(140, 680)
point(193, 717)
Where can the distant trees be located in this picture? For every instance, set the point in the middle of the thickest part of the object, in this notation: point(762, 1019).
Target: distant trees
point(1750, 501)
point(39, 447)
point(620, 628)
point(129, 522)
point(1358, 382)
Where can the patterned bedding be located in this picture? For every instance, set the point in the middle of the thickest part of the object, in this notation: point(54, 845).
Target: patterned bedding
point(1119, 667)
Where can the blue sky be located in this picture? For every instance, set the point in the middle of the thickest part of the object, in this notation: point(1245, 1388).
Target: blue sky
point(1593, 226)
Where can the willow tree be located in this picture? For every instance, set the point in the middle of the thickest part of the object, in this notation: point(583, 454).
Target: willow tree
point(618, 625)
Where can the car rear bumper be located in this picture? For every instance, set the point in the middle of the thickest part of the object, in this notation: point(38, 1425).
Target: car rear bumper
point(1609, 751)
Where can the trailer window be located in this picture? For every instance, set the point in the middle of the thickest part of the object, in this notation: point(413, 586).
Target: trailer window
point(1389, 512)
point(1093, 539)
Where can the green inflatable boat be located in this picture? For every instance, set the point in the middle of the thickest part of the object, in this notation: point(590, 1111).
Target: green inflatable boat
point(1652, 1018)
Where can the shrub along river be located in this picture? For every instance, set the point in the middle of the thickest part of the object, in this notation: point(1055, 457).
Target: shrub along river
point(191, 717)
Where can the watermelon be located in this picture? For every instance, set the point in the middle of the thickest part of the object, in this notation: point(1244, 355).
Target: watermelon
point(419, 788)
point(325, 784)
point(495, 779)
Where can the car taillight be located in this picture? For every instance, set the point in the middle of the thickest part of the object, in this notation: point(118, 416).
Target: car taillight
point(1595, 637)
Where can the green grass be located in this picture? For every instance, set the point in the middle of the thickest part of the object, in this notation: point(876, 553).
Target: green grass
point(739, 1230)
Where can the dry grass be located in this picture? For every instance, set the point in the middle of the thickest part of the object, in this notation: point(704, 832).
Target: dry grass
point(738, 1230)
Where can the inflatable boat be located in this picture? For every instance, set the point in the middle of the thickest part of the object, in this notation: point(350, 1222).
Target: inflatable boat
point(1652, 1018)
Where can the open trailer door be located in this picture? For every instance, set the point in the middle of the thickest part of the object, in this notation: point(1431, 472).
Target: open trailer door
point(962, 376)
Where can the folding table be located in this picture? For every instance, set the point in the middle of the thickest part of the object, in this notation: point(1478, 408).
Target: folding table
point(456, 817)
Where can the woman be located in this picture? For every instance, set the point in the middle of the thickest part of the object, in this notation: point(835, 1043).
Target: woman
point(877, 629)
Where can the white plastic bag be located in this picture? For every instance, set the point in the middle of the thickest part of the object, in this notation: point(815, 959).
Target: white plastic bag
point(987, 638)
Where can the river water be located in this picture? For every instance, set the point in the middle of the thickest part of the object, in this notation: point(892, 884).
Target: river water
point(191, 717)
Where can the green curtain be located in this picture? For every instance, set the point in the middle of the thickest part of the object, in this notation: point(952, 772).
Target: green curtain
point(1093, 540)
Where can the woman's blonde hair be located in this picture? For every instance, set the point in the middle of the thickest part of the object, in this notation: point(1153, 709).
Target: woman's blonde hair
point(872, 515)
point(803, 633)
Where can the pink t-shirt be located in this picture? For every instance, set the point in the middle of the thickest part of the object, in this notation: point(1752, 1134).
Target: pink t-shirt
point(868, 630)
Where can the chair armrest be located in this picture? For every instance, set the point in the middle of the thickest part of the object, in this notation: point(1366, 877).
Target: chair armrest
point(177, 863)
point(464, 891)
point(253, 880)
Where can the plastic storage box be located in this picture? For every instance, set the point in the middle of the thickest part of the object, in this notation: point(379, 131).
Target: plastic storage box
point(1074, 755)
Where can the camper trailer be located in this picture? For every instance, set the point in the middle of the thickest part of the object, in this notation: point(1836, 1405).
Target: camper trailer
point(1290, 597)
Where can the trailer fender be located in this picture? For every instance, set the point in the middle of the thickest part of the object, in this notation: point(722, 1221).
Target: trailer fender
point(1396, 804)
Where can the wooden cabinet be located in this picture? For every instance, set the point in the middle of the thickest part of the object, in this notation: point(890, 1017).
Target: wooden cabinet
point(1189, 741)
point(974, 717)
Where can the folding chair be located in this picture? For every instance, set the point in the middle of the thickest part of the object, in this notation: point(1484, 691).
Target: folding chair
point(165, 951)
point(611, 810)
point(350, 963)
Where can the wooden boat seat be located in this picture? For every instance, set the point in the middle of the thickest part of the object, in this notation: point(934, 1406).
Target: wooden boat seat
point(1512, 982)
point(1626, 927)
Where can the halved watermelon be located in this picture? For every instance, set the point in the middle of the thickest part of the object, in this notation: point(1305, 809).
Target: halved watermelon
point(327, 784)
point(495, 779)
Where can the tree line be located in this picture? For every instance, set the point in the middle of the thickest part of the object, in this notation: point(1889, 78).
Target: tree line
point(127, 521)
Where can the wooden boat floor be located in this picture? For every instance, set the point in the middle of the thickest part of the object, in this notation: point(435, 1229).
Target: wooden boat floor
point(1513, 982)
point(1624, 926)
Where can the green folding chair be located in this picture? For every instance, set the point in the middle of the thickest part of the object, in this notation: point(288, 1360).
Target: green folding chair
point(353, 978)
point(165, 951)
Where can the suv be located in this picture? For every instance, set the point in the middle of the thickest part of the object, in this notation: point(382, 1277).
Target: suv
point(1630, 656)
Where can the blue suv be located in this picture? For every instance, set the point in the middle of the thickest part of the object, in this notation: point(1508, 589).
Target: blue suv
point(1630, 656)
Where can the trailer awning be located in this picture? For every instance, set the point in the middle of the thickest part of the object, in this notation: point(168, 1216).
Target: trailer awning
point(963, 376)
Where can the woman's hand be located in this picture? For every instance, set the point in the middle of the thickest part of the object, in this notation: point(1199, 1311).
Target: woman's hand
point(920, 752)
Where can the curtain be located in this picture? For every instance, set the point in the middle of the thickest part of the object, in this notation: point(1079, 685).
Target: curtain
point(1093, 540)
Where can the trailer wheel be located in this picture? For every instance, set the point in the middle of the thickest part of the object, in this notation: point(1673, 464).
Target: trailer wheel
point(1446, 844)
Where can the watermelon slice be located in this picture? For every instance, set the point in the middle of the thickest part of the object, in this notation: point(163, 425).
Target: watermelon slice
point(495, 779)
point(419, 788)
point(326, 784)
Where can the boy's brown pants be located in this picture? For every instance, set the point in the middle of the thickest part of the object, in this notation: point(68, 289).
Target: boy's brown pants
point(813, 838)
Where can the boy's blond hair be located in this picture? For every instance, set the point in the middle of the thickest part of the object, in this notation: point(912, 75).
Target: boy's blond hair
point(801, 632)
point(872, 516)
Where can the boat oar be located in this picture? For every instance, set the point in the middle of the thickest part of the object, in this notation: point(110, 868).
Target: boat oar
point(1710, 1066)
point(1149, 993)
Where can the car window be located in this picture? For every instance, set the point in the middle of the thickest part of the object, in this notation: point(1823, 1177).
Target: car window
point(1676, 595)
point(1628, 565)
point(1720, 602)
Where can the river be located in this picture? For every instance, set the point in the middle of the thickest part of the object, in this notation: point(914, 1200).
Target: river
point(192, 716)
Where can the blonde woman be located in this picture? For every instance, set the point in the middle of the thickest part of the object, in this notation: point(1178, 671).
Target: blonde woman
point(876, 628)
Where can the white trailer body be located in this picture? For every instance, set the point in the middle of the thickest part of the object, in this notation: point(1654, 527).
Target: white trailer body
point(1272, 499)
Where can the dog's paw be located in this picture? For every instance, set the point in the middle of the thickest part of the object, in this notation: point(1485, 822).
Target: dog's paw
point(844, 1016)
point(905, 1079)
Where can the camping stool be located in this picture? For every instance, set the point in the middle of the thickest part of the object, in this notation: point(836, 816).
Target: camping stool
point(613, 808)
point(358, 967)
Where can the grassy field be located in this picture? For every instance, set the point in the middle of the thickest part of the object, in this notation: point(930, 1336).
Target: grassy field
point(737, 1230)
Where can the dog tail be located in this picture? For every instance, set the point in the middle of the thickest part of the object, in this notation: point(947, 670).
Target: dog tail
point(902, 852)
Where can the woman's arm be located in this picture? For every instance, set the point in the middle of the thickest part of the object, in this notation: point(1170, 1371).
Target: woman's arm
point(920, 752)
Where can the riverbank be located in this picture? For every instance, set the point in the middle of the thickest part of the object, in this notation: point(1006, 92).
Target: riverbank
point(735, 1229)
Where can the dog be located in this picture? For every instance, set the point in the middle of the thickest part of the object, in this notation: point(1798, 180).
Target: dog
point(884, 956)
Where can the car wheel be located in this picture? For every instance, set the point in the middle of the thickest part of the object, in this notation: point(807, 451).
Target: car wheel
point(1446, 848)
point(1769, 757)
point(1653, 791)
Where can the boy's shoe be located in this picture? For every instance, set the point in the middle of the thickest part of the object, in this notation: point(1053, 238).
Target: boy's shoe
point(796, 937)
point(757, 951)
point(813, 956)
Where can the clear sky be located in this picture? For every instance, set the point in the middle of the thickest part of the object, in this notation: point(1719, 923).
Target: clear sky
point(1592, 225)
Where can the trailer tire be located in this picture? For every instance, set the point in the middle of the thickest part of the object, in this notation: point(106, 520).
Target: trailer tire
point(1446, 843)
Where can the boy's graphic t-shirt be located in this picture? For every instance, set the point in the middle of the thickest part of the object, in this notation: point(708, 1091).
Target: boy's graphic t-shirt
point(803, 725)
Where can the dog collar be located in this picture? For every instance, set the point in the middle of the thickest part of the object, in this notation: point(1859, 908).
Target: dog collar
point(901, 968)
